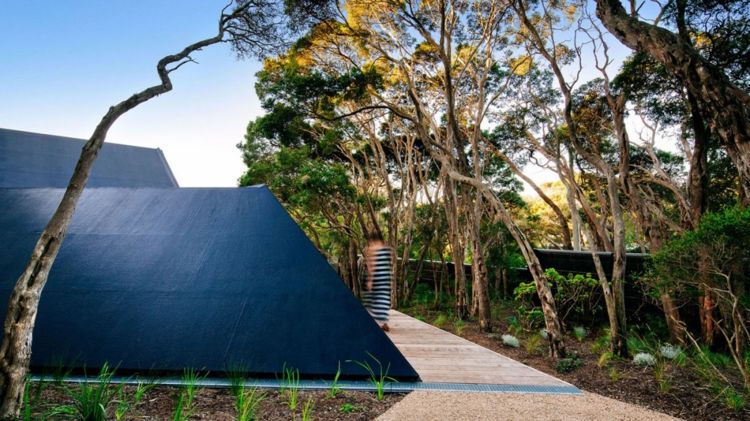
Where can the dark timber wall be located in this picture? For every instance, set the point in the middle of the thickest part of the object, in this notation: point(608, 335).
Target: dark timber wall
point(40, 160)
point(163, 279)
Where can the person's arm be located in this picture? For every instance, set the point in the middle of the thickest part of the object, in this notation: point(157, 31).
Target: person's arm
point(370, 262)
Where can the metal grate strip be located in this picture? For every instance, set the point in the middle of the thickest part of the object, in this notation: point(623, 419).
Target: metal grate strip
point(350, 385)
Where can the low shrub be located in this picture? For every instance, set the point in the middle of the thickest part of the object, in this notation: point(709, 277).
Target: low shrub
point(511, 341)
point(644, 359)
point(568, 364)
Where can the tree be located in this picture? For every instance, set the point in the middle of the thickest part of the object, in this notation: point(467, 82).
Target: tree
point(251, 27)
point(714, 257)
point(723, 104)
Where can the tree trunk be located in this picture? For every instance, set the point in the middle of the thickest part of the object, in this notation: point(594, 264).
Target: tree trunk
point(480, 290)
point(698, 175)
point(706, 313)
point(549, 309)
point(15, 352)
point(725, 106)
point(457, 250)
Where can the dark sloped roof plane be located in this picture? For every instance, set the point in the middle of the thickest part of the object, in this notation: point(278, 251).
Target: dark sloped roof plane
point(163, 279)
point(40, 160)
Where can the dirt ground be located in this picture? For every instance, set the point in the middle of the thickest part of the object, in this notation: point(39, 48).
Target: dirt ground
point(688, 396)
point(219, 405)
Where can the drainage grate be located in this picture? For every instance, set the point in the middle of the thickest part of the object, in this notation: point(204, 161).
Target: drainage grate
point(354, 385)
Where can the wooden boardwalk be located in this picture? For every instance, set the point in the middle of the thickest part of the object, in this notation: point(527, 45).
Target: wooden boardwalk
point(441, 357)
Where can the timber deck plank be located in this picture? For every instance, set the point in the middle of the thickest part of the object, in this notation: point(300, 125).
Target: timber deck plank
point(441, 357)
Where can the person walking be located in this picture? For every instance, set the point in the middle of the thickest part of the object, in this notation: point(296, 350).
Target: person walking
point(379, 261)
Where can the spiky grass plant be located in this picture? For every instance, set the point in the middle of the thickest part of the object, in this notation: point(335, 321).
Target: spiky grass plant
point(378, 379)
point(185, 400)
point(91, 400)
point(532, 344)
point(246, 403)
point(335, 387)
point(440, 320)
point(307, 410)
point(458, 326)
point(291, 386)
point(32, 398)
point(126, 404)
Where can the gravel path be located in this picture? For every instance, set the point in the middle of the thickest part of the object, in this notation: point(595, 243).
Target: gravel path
point(453, 406)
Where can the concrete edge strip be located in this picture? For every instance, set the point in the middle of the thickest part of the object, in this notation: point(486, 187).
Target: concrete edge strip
point(365, 386)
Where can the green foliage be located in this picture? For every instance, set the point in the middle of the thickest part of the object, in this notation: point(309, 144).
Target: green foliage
point(246, 402)
point(236, 375)
point(580, 333)
point(307, 410)
point(458, 326)
point(733, 399)
point(532, 344)
point(706, 358)
point(291, 386)
point(576, 298)
point(335, 387)
point(185, 398)
point(125, 404)
point(91, 400)
point(615, 375)
point(665, 384)
point(604, 359)
point(602, 342)
point(568, 364)
point(32, 398)
point(717, 249)
point(348, 408)
point(378, 379)
point(514, 325)
point(440, 320)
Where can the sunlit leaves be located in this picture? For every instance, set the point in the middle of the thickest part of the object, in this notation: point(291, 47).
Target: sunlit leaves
point(521, 66)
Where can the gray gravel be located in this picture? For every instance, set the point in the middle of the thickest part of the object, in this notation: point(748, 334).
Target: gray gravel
point(422, 405)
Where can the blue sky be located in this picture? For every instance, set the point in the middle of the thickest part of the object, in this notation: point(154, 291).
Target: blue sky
point(65, 62)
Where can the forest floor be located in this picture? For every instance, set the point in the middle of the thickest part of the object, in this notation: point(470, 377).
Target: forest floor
point(219, 404)
point(681, 393)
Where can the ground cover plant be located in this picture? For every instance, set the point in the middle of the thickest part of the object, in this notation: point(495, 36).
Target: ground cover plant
point(48, 400)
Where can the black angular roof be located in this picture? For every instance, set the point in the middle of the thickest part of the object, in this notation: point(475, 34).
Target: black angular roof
point(40, 160)
point(163, 279)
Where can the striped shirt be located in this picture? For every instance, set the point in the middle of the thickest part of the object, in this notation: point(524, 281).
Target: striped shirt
point(378, 299)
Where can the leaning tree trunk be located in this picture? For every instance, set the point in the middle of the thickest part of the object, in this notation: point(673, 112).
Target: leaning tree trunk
point(544, 292)
point(725, 106)
point(15, 352)
point(549, 309)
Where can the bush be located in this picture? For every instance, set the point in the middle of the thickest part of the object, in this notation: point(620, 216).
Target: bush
point(576, 297)
point(580, 333)
point(511, 341)
point(568, 364)
point(713, 259)
point(670, 351)
point(644, 359)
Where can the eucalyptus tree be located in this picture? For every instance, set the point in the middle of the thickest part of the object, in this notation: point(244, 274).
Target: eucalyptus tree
point(430, 52)
point(722, 102)
point(593, 118)
point(439, 68)
point(251, 27)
